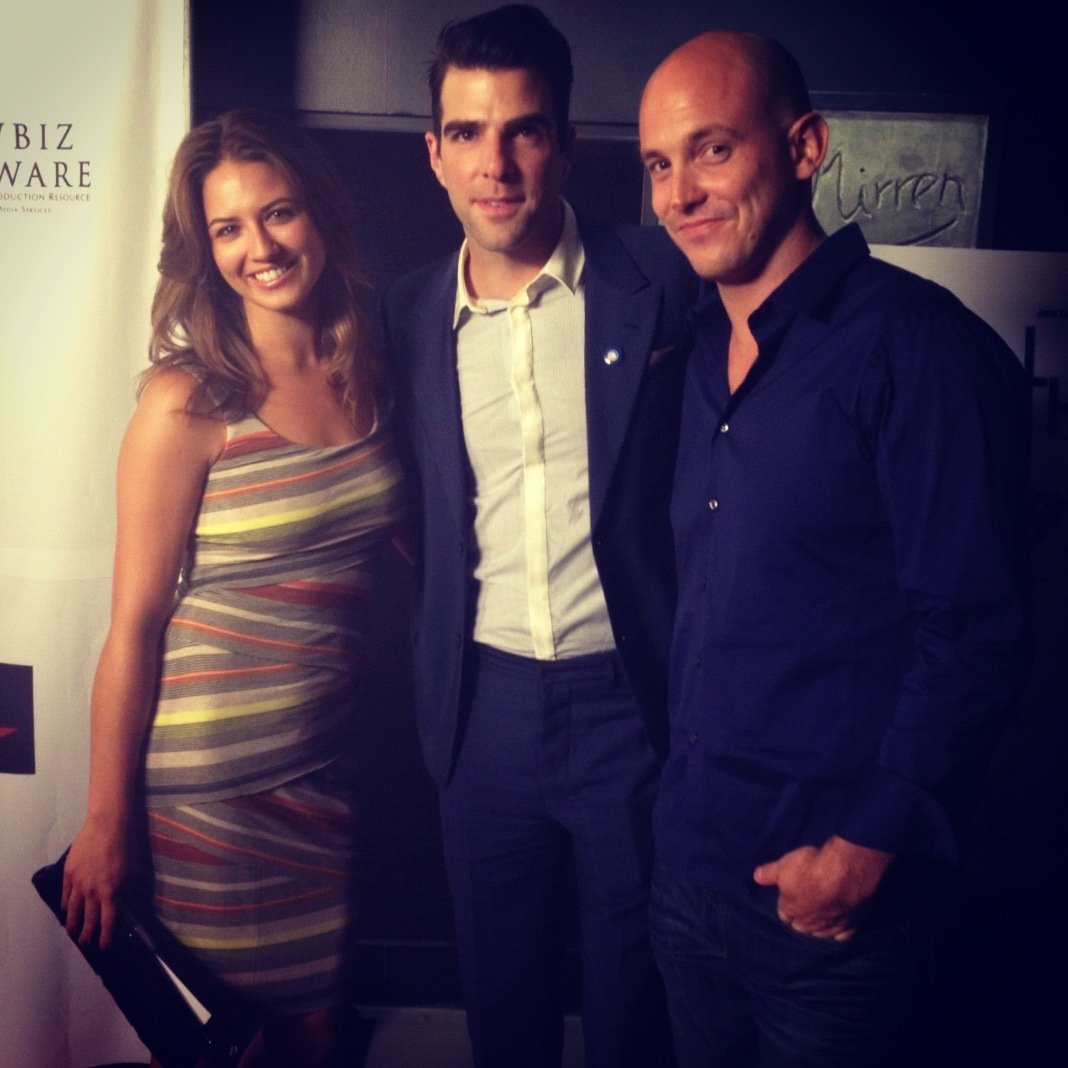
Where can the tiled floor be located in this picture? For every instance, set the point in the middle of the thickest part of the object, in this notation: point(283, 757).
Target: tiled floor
point(437, 1038)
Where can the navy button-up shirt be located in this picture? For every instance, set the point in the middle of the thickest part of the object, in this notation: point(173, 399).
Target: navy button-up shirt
point(849, 530)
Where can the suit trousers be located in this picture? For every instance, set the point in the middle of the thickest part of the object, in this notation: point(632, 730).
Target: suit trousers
point(555, 777)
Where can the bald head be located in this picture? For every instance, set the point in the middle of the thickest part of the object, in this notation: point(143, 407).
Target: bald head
point(761, 64)
point(731, 144)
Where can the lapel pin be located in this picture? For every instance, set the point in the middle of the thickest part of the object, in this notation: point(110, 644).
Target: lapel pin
point(612, 356)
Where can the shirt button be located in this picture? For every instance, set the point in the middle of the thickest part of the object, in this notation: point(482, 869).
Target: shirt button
point(611, 356)
point(724, 428)
point(713, 504)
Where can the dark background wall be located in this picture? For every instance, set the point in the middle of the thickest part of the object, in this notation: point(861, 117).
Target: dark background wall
point(353, 70)
point(357, 67)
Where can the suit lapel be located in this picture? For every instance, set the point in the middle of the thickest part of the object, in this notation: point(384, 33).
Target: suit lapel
point(436, 389)
point(622, 308)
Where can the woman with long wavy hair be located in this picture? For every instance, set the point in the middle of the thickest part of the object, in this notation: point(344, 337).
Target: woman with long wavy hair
point(257, 485)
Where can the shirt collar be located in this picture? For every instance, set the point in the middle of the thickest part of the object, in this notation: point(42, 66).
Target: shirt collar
point(807, 288)
point(564, 266)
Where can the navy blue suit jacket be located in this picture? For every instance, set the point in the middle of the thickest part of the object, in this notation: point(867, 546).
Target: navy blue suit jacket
point(638, 294)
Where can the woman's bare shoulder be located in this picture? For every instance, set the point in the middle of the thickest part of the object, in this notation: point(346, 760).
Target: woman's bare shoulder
point(170, 387)
point(167, 407)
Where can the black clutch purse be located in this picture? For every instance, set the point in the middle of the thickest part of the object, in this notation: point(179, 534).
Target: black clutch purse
point(178, 1008)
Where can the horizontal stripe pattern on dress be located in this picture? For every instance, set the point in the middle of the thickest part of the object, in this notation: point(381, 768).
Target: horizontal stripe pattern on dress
point(261, 653)
point(260, 888)
point(267, 722)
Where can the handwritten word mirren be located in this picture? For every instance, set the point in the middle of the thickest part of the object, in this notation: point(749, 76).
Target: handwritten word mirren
point(34, 172)
point(924, 191)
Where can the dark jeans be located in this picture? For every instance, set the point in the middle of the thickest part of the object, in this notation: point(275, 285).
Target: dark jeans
point(555, 779)
point(745, 990)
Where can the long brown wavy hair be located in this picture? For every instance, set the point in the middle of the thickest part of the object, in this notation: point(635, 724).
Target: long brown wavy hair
point(197, 319)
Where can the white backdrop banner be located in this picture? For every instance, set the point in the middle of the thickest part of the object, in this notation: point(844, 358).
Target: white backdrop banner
point(94, 98)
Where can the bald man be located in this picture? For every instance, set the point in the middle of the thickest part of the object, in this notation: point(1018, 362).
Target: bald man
point(847, 515)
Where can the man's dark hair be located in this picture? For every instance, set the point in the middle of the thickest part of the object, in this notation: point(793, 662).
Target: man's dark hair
point(513, 37)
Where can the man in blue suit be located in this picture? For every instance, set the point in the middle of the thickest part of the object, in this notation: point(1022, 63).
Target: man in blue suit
point(541, 371)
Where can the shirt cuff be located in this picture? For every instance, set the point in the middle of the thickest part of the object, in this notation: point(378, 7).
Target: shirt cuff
point(895, 815)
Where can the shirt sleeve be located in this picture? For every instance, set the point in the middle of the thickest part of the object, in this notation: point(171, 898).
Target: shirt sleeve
point(945, 405)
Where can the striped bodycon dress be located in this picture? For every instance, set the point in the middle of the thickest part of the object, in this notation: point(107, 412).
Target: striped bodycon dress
point(248, 783)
